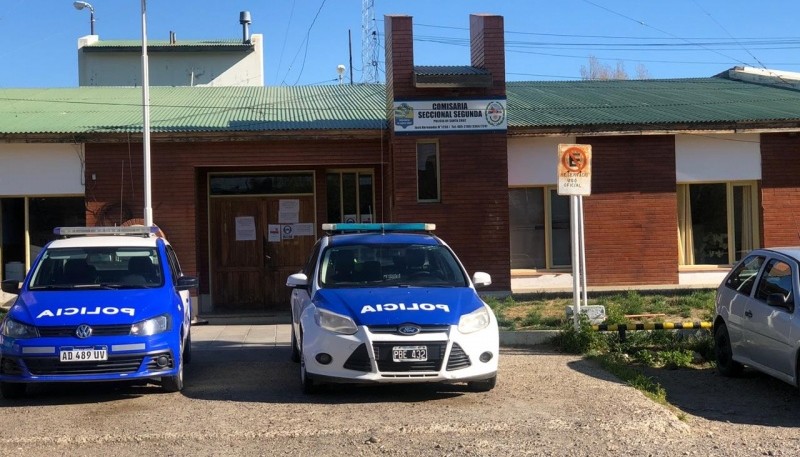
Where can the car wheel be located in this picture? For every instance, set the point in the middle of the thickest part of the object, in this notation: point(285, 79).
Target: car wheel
point(174, 383)
point(187, 350)
point(724, 354)
point(483, 385)
point(309, 385)
point(295, 351)
point(12, 390)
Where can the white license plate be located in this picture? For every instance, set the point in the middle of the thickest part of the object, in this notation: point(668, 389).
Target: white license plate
point(410, 353)
point(84, 355)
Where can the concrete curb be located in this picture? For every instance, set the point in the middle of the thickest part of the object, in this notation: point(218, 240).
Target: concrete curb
point(526, 338)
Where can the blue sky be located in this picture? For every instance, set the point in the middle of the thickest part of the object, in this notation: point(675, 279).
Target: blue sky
point(305, 40)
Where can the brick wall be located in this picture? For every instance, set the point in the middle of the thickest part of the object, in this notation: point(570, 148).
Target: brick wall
point(631, 217)
point(179, 173)
point(780, 189)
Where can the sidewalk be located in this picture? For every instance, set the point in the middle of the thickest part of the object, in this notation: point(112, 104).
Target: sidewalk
point(239, 336)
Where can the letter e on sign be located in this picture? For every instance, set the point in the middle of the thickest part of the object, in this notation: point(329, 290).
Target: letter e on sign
point(574, 169)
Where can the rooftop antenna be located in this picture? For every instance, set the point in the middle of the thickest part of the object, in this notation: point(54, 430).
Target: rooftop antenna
point(369, 42)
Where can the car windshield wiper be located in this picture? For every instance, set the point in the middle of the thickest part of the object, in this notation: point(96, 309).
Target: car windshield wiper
point(66, 286)
point(116, 285)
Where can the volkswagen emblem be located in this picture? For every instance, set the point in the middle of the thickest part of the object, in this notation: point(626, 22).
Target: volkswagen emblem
point(83, 331)
point(408, 329)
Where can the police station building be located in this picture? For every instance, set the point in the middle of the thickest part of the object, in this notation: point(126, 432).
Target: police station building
point(687, 174)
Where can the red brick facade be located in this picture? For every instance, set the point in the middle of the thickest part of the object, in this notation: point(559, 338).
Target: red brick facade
point(631, 217)
point(780, 189)
point(179, 182)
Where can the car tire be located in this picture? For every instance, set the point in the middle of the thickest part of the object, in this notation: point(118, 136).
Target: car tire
point(295, 351)
point(187, 350)
point(308, 384)
point(484, 385)
point(12, 390)
point(723, 352)
point(174, 383)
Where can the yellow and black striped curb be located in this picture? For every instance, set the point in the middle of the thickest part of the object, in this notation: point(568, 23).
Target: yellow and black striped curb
point(652, 326)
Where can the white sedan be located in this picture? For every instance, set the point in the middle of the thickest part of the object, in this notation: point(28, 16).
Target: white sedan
point(756, 323)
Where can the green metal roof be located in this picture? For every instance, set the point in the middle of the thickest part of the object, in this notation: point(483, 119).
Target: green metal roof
point(192, 109)
point(548, 106)
point(647, 102)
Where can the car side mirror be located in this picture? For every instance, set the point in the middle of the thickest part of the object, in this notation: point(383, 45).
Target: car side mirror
point(297, 280)
point(481, 279)
point(187, 282)
point(11, 286)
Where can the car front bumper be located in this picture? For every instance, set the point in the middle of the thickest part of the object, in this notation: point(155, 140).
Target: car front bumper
point(368, 356)
point(36, 360)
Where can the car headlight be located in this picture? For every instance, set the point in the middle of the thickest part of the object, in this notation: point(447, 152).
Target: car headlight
point(336, 323)
point(16, 329)
point(474, 321)
point(154, 326)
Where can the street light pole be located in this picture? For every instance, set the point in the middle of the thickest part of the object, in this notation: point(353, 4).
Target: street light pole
point(81, 5)
point(148, 199)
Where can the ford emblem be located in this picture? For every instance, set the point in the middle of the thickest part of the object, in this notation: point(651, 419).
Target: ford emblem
point(83, 331)
point(409, 329)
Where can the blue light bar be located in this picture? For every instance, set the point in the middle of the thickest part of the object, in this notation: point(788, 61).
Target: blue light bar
point(131, 230)
point(389, 227)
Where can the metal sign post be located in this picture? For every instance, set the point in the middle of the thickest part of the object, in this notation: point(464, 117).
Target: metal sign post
point(575, 180)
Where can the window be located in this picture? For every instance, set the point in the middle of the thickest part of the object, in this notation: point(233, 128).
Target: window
point(262, 184)
point(540, 228)
point(428, 172)
point(350, 196)
point(743, 277)
point(710, 216)
point(777, 279)
point(22, 238)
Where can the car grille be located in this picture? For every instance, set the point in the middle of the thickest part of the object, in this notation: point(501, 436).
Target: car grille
point(392, 329)
point(359, 360)
point(383, 355)
point(98, 330)
point(458, 358)
point(52, 366)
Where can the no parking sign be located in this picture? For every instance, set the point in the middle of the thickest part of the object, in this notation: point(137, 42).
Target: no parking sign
point(574, 169)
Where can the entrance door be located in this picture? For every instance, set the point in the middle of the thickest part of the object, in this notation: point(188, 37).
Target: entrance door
point(238, 253)
point(249, 266)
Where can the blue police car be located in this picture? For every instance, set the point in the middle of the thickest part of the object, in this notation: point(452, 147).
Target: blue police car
point(102, 304)
point(390, 303)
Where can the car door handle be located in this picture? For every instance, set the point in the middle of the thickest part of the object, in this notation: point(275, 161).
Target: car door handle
point(748, 313)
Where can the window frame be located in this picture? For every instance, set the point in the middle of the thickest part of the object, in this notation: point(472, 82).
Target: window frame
point(548, 192)
point(438, 198)
point(730, 187)
point(358, 172)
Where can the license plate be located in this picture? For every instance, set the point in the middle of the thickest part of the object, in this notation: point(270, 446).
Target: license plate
point(83, 355)
point(410, 353)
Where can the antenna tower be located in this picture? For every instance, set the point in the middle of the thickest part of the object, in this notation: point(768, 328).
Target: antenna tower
point(369, 42)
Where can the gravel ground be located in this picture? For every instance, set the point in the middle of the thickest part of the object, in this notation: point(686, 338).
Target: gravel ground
point(248, 402)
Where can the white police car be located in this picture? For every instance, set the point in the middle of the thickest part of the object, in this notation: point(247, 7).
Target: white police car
point(103, 304)
point(390, 303)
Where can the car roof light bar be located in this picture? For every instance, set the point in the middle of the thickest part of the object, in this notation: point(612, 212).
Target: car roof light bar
point(387, 227)
point(130, 230)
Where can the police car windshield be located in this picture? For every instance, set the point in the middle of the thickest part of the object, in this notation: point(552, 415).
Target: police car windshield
point(390, 265)
point(97, 267)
